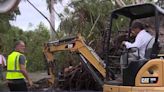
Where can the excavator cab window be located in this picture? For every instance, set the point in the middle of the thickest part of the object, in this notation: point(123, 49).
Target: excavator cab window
point(119, 33)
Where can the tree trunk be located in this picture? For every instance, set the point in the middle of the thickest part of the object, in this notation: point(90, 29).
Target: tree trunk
point(52, 19)
point(140, 1)
point(120, 3)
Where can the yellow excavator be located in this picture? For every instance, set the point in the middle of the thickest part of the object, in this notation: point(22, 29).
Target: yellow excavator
point(75, 44)
point(142, 75)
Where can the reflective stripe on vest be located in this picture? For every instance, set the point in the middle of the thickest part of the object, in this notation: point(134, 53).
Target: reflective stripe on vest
point(13, 68)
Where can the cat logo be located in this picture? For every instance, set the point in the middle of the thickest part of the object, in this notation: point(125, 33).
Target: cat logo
point(70, 45)
point(149, 80)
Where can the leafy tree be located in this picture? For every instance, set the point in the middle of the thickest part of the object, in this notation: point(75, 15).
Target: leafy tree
point(8, 39)
point(88, 18)
point(5, 27)
point(35, 41)
point(5, 18)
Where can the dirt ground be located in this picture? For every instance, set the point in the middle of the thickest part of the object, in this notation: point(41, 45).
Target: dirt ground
point(35, 77)
point(38, 75)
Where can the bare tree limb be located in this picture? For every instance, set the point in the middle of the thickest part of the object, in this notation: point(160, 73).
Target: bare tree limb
point(91, 31)
point(140, 1)
point(120, 3)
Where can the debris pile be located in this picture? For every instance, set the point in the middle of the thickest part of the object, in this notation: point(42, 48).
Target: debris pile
point(72, 78)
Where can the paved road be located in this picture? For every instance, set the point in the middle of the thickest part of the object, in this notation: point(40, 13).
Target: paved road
point(38, 75)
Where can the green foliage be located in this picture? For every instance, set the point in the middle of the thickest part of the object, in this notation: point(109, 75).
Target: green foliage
point(4, 23)
point(4, 20)
point(88, 18)
point(7, 40)
point(34, 44)
point(35, 41)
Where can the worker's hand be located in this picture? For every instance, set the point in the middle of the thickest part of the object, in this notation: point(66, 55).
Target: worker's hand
point(30, 83)
point(123, 42)
point(123, 45)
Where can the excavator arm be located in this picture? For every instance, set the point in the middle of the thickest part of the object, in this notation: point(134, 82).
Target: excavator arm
point(74, 44)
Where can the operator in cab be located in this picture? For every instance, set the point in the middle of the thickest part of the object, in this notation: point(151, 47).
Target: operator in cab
point(142, 38)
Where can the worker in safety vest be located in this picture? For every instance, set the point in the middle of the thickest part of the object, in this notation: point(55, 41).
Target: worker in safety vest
point(16, 69)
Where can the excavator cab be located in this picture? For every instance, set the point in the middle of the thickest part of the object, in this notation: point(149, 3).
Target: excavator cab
point(140, 72)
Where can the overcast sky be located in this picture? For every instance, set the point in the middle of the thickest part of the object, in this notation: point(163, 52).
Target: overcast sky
point(30, 16)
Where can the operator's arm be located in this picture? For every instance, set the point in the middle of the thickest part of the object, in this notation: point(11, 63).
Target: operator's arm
point(24, 70)
point(137, 43)
point(130, 45)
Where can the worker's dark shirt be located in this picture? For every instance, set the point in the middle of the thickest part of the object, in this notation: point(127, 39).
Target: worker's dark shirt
point(22, 59)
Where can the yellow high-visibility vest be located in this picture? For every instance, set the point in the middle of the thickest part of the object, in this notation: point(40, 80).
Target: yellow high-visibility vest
point(13, 66)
